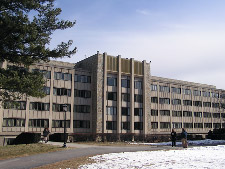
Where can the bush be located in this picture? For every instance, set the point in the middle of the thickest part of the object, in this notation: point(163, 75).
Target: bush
point(58, 137)
point(27, 138)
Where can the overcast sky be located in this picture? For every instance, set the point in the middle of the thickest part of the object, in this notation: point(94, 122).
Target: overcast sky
point(183, 39)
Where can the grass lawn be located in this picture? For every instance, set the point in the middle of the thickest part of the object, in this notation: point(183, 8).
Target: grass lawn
point(12, 151)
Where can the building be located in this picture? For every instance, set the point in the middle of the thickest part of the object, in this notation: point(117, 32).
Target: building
point(107, 94)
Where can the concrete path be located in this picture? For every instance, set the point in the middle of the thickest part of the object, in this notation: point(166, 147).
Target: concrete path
point(79, 151)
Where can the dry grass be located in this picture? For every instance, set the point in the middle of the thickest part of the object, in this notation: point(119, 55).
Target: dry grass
point(68, 164)
point(12, 151)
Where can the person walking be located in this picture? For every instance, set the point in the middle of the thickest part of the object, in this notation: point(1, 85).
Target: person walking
point(45, 134)
point(184, 138)
point(173, 138)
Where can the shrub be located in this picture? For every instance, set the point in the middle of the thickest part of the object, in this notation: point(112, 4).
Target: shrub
point(27, 138)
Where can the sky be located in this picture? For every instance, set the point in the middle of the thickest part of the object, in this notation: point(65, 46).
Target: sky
point(183, 39)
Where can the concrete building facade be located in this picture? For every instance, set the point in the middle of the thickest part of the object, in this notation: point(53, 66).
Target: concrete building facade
point(108, 94)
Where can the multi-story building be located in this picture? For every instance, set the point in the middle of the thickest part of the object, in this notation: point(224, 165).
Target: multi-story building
point(107, 94)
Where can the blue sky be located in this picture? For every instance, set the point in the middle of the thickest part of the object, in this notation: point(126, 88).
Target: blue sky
point(183, 39)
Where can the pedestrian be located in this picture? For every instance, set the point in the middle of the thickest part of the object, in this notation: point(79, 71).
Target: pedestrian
point(173, 138)
point(184, 138)
point(46, 134)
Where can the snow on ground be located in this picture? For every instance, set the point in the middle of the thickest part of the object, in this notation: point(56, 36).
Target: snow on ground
point(190, 142)
point(196, 157)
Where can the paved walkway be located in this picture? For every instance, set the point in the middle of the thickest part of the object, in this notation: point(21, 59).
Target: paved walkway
point(79, 151)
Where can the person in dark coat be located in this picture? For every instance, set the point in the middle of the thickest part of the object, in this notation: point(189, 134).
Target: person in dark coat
point(184, 138)
point(173, 138)
point(45, 134)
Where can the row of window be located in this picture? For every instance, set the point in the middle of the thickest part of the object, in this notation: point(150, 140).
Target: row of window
point(186, 114)
point(186, 91)
point(166, 125)
point(186, 102)
point(112, 125)
point(124, 97)
point(112, 81)
point(125, 111)
point(65, 76)
point(67, 92)
point(16, 122)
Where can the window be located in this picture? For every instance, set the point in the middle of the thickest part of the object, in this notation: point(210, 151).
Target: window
point(186, 91)
point(207, 115)
point(125, 125)
point(138, 98)
point(82, 108)
point(188, 125)
point(197, 103)
point(39, 106)
point(206, 104)
point(222, 96)
point(67, 77)
point(60, 123)
point(81, 124)
point(138, 112)
point(207, 125)
point(125, 111)
point(177, 125)
point(46, 74)
point(62, 76)
point(222, 105)
point(216, 115)
point(198, 114)
point(176, 102)
point(196, 92)
point(165, 125)
point(138, 125)
point(187, 113)
point(215, 95)
point(138, 84)
point(164, 89)
point(18, 105)
point(187, 102)
point(125, 83)
point(82, 93)
point(154, 99)
point(125, 97)
point(164, 101)
point(216, 125)
point(176, 113)
point(61, 92)
point(46, 90)
point(111, 110)
point(82, 78)
point(39, 123)
point(215, 105)
point(154, 112)
point(111, 81)
point(198, 125)
point(223, 115)
point(111, 125)
point(164, 112)
point(205, 94)
point(153, 87)
point(59, 107)
point(13, 122)
point(154, 125)
point(176, 90)
point(111, 96)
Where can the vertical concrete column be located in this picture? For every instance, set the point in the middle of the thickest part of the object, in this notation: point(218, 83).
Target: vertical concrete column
point(119, 95)
point(182, 106)
point(72, 100)
point(132, 95)
point(51, 97)
point(158, 107)
point(203, 128)
point(104, 92)
point(171, 118)
point(27, 114)
point(2, 65)
point(193, 117)
point(211, 110)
